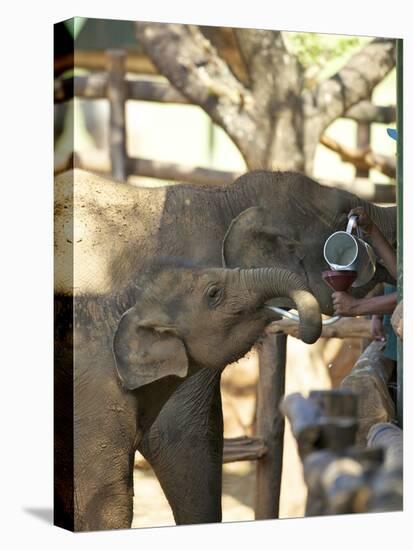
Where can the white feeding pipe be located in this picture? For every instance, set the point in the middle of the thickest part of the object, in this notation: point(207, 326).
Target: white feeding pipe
point(295, 317)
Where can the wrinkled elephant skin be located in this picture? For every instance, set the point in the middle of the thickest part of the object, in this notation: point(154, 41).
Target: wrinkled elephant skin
point(145, 340)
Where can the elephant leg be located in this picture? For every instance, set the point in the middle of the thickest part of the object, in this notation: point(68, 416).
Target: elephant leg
point(184, 446)
point(104, 444)
point(103, 492)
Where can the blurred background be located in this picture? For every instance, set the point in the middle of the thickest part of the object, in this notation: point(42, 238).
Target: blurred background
point(246, 99)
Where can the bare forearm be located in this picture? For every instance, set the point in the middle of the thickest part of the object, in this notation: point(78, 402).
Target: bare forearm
point(378, 305)
point(385, 251)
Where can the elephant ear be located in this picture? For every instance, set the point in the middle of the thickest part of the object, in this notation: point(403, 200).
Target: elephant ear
point(254, 239)
point(146, 349)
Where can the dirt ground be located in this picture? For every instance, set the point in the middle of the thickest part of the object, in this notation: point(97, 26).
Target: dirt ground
point(320, 366)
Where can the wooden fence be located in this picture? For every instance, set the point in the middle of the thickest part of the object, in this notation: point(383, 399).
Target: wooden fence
point(352, 452)
point(117, 88)
point(267, 446)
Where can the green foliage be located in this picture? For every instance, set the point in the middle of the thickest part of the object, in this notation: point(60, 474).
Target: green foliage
point(322, 54)
point(312, 48)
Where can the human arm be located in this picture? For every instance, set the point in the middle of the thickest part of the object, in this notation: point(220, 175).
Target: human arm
point(380, 244)
point(347, 306)
point(385, 251)
point(376, 328)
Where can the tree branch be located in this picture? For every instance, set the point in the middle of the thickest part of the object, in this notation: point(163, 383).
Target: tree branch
point(273, 71)
point(275, 74)
point(192, 65)
point(276, 79)
point(225, 42)
point(362, 158)
point(353, 83)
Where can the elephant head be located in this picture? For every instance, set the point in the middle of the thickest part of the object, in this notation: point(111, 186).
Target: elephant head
point(203, 316)
point(259, 237)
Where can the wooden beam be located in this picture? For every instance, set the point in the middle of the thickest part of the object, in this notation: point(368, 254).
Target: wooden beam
point(116, 90)
point(304, 417)
point(180, 173)
point(387, 487)
point(96, 160)
point(94, 86)
point(326, 419)
point(241, 448)
point(344, 328)
point(335, 403)
point(95, 60)
point(390, 438)
point(270, 424)
point(368, 379)
point(145, 89)
point(158, 88)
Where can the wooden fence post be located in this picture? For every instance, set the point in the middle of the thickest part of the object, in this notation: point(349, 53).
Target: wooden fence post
point(270, 424)
point(117, 94)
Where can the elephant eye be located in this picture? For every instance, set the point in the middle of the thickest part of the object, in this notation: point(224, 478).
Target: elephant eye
point(214, 294)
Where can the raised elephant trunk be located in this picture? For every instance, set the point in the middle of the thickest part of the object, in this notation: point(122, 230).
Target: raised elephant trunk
point(270, 282)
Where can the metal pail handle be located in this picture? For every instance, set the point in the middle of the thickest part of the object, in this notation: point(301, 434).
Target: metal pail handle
point(352, 224)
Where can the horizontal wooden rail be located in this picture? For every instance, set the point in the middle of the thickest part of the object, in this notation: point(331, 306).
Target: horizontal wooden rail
point(178, 172)
point(93, 86)
point(344, 328)
point(241, 448)
point(236, 449)
point(97, 160)
point(95, 60)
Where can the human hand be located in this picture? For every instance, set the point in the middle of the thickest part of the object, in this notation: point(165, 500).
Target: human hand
point(376, 328)
point(399, 329)
point(344, 304)
point(363, 219)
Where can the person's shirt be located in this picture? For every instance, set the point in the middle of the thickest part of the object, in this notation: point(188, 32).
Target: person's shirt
point(390, 349)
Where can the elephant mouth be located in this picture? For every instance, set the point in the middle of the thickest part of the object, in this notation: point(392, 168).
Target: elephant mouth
point(283, 302)
point(265, 313)
point(280, 302)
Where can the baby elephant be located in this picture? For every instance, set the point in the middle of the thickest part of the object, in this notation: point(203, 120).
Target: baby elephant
point(201, 317)
point(132, 354)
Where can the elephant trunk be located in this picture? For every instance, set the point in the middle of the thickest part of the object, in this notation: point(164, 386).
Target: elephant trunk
point(385, 217)
point(270, 282)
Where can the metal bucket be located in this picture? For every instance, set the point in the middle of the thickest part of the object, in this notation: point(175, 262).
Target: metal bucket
point(344, 251)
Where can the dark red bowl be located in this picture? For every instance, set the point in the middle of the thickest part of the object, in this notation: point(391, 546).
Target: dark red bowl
point(339, 280)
